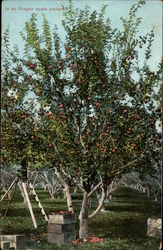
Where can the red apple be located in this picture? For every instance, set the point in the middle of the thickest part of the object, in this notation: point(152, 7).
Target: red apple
point(32, 66)
point(77, 173)
point(74, 66)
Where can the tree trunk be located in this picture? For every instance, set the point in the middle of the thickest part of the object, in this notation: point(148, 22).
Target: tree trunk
point(83, 217)
point(109, 190)
point(66, 191)
point(68, 197)
point(100, 205)
point(75, 189)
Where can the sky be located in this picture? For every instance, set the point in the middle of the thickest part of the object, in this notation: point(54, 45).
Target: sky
point(16, 13)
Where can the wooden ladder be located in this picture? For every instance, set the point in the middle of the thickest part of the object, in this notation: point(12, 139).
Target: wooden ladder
point(29, 204)
point(10, 187)
point(39, 203)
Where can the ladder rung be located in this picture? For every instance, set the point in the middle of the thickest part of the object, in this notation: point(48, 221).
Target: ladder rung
point(39, 203)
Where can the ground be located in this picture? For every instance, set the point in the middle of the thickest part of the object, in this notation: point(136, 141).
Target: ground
point(123, 225)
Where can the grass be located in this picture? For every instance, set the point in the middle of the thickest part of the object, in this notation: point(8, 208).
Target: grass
point(125, 217)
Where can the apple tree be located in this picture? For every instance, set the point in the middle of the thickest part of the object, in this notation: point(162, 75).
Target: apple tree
point(97, 117)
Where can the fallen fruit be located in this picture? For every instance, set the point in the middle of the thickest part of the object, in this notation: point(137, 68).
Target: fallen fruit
point(91, 239)
point(61, 212)
point(74, 66)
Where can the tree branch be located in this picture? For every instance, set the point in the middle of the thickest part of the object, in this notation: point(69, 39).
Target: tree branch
point(66, 190)
point(123, 167)
point(94, 189)
point(101, 202)
point(73, 180)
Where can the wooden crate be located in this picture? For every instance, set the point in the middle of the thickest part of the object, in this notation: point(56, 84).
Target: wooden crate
point(16, 240)
point(5, 245)
point(61, 228)
point(61, 238)
point(154, 228)
point(62, 218)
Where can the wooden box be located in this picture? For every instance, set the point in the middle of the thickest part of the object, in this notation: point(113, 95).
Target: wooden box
point(61, 238)
point(154, 228)
point(62, 218)
point(16, 240)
